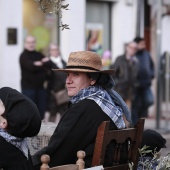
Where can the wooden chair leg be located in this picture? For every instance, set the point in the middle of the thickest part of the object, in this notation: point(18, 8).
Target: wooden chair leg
point(45, 159)
point(80, 162)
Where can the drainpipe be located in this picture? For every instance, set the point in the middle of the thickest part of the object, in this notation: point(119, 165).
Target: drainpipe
point(140, 19)
point(158, 53)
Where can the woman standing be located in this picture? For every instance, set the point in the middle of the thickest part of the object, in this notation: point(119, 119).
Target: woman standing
point(56, 83)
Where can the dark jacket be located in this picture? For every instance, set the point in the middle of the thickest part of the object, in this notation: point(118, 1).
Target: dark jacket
point(146, 68)
point(31, 76)
point(56, 80)
point(126, 76)
point(11, 158)
point(76, 131)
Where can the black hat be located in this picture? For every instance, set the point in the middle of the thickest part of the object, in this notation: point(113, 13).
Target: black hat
point(153, 139)
point(22, 115)
point(138, 39)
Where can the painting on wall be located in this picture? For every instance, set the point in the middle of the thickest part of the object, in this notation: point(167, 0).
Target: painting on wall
point(94, 40)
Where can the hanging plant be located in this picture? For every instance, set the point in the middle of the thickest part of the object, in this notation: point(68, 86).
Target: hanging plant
point(54, 6)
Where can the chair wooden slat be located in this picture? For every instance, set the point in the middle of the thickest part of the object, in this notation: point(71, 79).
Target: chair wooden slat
point(105, 136)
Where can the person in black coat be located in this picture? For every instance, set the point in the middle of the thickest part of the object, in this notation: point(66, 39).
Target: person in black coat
point(19, 118)
point(56, 83)
point(143, 96)
point(33, 74)
point(126, 67)
point(93, 101)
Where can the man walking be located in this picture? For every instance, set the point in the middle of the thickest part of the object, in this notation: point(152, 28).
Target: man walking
point(143, 95)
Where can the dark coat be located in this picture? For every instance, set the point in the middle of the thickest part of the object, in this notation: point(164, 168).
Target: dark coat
point(146, 68)
point(126, 76)
point(11, 158)
point(31, 76)
point(76, 131)
point(56, 82)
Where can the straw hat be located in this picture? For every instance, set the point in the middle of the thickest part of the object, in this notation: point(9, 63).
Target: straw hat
point(85, 61)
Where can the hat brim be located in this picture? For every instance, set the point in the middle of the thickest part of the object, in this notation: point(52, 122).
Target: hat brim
point(111, 71)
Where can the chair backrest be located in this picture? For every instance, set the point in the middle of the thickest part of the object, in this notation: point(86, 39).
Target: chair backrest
point(105, 136)
point(45, 159)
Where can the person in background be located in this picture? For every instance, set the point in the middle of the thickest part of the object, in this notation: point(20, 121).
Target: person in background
point(143, 95)
point(126, 67)
point(56, 83)
point(125, 78)
point(19, 119)
point(93, 101)
point(33, 74)
point(155, 142)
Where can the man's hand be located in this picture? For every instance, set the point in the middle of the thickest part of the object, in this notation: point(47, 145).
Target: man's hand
point(45, 59)
point(38, 63)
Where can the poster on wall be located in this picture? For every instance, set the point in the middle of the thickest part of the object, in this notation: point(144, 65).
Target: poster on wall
point(94, 40)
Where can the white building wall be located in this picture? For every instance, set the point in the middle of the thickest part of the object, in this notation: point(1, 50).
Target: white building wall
point(73, 39)
point(165, 34)
point(11, 17)
point(123, 25)
point(123, 31)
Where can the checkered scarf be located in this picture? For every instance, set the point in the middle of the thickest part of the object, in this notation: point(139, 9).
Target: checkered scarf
point(20, 143)
point(104, 100)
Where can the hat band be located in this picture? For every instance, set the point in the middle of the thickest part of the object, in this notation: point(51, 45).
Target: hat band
point(82, 67)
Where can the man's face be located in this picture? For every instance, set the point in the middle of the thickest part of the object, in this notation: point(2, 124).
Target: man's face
point(54, 51)
point(131, 49)
point(30, 43)
point(141, 45)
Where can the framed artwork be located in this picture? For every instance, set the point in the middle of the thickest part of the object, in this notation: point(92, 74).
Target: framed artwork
point(94, 40)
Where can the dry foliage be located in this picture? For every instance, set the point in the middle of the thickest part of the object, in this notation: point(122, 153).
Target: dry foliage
point(54, 6)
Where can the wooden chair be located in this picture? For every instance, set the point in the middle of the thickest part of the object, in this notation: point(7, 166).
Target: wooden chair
point(45, 159)
point(105, 136)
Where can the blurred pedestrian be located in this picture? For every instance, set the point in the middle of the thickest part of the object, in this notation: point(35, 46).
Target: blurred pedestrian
point(56, 84)
point(33, 74)
point(143, 95)
point(125, 78)
point(126, 67)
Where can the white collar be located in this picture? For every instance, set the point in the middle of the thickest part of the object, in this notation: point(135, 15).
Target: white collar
point(57, 61)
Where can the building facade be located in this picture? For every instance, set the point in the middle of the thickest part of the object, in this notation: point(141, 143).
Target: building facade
point(114, 20)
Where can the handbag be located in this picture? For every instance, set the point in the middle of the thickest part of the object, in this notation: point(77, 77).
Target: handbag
point(148, 97)
point(61, 96)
